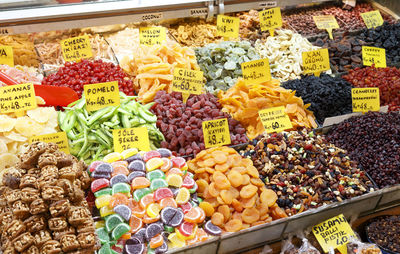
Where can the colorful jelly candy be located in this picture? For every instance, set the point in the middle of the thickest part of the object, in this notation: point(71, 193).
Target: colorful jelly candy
point(178, 162)
point(120, 178)
point(140, 182)
point(188, 182)
point(186, 228)
point(137, 165)
point(183, 196)
point(105, 249)
point(99, 224)
point(103, 236)
point(212, 229)
point(151, 154)
point(93, 165)
point(140, 193)
point(153, 230)
point(120, 230)
point(124, 211)
point(105, 211)
point(135, 223)
point(102, 201)
point(121, 188)
point(155, 174)
point(168, 202)
point(167, 165)
point(112, 221)
point(135, 174)
point(154, 163)
point(176, 241)
point(133, 247)
point(158, 183)
point(129, 152)
point(98, 175)
point(162, 193)
point(105, 191)
point(99, 184)
point(104, 168)
point(153, 210)
point(118, 199)
point(174, 180)
point(186, 207)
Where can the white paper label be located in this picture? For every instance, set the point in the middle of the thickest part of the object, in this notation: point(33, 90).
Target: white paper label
point(268, 4)
point(198, 12)
point(152, 16)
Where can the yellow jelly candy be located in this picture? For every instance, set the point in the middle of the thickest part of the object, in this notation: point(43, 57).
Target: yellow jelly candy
point(105, 211)
point(111, 157)
point(183, 237)
point(183, 196)
point(154, 163)
point(99, 224)
point(129, 152)
point(176, 241)
point(174, 180)
point(102, 201)
point(153, 210)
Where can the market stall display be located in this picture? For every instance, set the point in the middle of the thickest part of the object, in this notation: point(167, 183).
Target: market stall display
point(22, 74)
point(23, 49)
point(383, 231)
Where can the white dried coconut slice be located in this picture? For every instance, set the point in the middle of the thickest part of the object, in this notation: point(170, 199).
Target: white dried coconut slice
point(15, 136)
point(40, 115)
point(7, 123)
point(27, 127)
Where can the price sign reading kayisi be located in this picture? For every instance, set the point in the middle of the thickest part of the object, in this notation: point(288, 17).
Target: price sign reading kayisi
point(316, 61)
point(372, 19)
point(152, 35)
point(7, 55)
point(275, 119)
point(327, 22)
point(101, 95)
point(216, 133)
point(131, 138)
point(373, 55)
point(59, 138)
point(227, 27)
point(365, 99)
point(17, 98)
point(187, 82)
point(76, 48)
point(270, 19)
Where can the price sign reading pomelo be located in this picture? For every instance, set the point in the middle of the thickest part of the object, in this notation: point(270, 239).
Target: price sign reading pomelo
point(365, 99)
point(187, 82)
point(131, 138)
point(17, 98)
point(327, 22)
point(256, 71)
point(227, 27)
point(152, 35)
point(101, 95)
point(76, 48)
point(316, 61)
point(333, 233)
point(59, 138)
point(216, 133)
point(275, 119)
point(7, 55)
point(373, 55)
point(270, 19)
point(372, 19)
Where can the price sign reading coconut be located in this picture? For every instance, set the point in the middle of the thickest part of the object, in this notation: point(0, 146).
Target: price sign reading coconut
point(275, 119)
point(101, 95)
point(256, 71)
point(131, 138)
point(372, 19)
point(187, 82)
point(270, 19)
point(216, 133)
point(365, 99)
point(59, 138)
point(17, 98)
point(76, 48)
point(152, 35)
point(327, 22)
point(373, 55)
point(316, 61)
point(227, 27)
point(7, 55)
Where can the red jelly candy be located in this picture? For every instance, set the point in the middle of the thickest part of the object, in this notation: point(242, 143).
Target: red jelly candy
point(162, 193)
point(99, 184)
point(186, 228)
point(152, 154)
point(186, 207)
point(93, 165)
point(178, 162)
point(188, 182)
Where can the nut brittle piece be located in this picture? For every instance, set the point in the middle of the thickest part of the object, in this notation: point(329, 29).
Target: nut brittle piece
point(38, 206)
point(87, 240)
point(57, 224)
point(41, 237)
point(51, 247)
point(35, 223)
point(23, 241)
point(47, 159)
point(59, 208)
point(29, 194)
point(69, 242)
point(52, 193)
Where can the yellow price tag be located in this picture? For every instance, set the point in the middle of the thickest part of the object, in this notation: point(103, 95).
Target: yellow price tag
point(227, 26)
point(373, 55)
point(270, 19)
point(216, 133)
point(256, 71)
point(101, 95)
point(333, 233)
point(316, 61)
point(187, 82)
point(152, 35)
point(365, 99)
point(17, 98)
point(59, 138)
point(372, 19)
point(7, 55)
point(131, 138)
point(327, 22)
point(275, 119)
point(76, 48)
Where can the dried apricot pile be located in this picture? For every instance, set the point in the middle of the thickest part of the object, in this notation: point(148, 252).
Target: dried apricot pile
point(233, 194)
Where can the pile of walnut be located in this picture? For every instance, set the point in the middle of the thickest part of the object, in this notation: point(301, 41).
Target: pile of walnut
point(42, 204)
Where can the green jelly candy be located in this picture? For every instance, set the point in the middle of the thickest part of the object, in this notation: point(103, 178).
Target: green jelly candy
point(121, 187)
point(158, 183)
point(112, 221)
point(155, 174)
point(106, 191)
point(200, 200)
point(105, 249)
point(114, 252)
point(140, 193)
point(120, 230)
point(103, 235)
point(150, 250)
point(194, 189)
point(169, 229)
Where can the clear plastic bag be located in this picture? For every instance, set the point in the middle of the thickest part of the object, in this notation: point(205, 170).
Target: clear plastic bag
point(288, 247)
point(306, 247)
point(355, 246)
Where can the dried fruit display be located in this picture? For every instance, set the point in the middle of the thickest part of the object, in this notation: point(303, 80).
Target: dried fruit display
point(244, 101)
point(23, 49)
point(250, 26)
point(234, 196)
point(305, 171)
point(384, 231)
point(43, 207)
point(22, 74)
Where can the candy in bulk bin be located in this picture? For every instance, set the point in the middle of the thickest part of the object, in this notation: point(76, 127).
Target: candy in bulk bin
point(147, 201)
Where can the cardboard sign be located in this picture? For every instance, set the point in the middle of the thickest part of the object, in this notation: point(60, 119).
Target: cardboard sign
point(372, 19)
point(333, 233)
point(17, 98)
point(131, 138)
point(101, 95)
point(187, 82)
point(256, 71)
point(275, 119)
point(227, 26)
point(365, 99)
point(216, 133)
point(327, 22)
point(152, 35)
point(373, 55)
point(7, 55)
point(76, 48)
point(270, 19)
point(59, 138)
point(316, 61)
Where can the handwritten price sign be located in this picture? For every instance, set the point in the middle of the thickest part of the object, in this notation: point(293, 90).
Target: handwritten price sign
point(216, 133)
point(76, 48)
point(256, 71)
point(316, 61)
point(101, 95)
point(275, 119)
point(17, 98)
point(270, 19)
point(373, 55)
point(131, 138)
point(372, 19)
point(365, 99)
point(227, 27)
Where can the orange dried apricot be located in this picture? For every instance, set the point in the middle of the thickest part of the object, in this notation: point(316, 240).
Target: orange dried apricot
point(257, 182)
point(246, 162)
point(203, 176)
point(219, 157)
point(209, 162)
point(268, 196)
point(277, 213)
point(233, 225)
point(222, 167)
point(244, 226)
point(252, 171)
point(264, 217)
point(213, 190)
point(217, 219)
point(206, 193)
point(234, 192)
point(209, 170)
point(250, 215)
point(241, 170)
point(199, 170)
point(220, 201)
point(237, 205)
point(207, 207)
point(263, 208)
point(246, 179)
point(257, 223)
point(225, 211)
point(237, 159)
point(212, 201)
point(235, 178)
point(248, 202)
point(237, 216)
point(226, 196)
point(221, 181)
point(201, 185)
point(248, 191)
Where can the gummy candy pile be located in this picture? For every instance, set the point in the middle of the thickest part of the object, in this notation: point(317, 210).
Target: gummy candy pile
point(147, 203)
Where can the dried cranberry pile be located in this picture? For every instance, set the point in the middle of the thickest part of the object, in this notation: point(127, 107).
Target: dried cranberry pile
point(76, 75)
point(373, 140)
point(181, 123)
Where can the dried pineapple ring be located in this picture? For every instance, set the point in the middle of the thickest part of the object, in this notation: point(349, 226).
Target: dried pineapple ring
point(3, 147)
point(28, 127)
point(15, 136)
point(6, 123)
point(40, 115)
point(8, 160)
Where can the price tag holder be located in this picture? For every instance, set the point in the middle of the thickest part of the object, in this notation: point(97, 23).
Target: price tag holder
point(7, 55)
point(270, 19)
point(372, 19)
point(365, 99)
point(333, 233)
point(373, 55)
point(227, 27)
point(76, 48)
point(101, 95)
point(131, 138)
point(327, 22)
point(216, 133)
point(152, 35)
point(59, 138)
point(17, 98)
point(316, 61)
point(256, 71)
point(187, 82)
point(275, 119)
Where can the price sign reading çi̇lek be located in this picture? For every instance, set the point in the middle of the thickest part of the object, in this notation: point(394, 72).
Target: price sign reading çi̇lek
point(227, 27)
point(256, 71)
point(59, 138)
point(327, 22)
point(316, 61)
point(152, 35)
point(365, 99)
point(275, 119)
point(372, 19)
point(131, 138)
point(373, 55)
point(187, 82)
point(270, 19)
point(216, 133)
point(17, 98)
point(101, 95)
point(7, 55)
point(76, 48)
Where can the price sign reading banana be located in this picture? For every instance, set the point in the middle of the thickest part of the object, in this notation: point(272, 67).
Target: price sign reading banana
point(373, 55)
point(216, 133)
point(275, 119)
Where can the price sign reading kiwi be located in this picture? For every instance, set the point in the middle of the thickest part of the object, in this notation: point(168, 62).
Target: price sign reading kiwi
point(152, 35)
point(227, 27)
point(187, 82)
point(7, 55)
point(59, 138)
point(101, 95)
point(131, 138)
point(76, 48)
point(365, 99)
point(372, 19)
point(373, 55)
point(270, 19)
point(17, 98)
point(316, 61)
point(275, 119)
point(216, 133)
point(327, 22)
point(256, 71)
